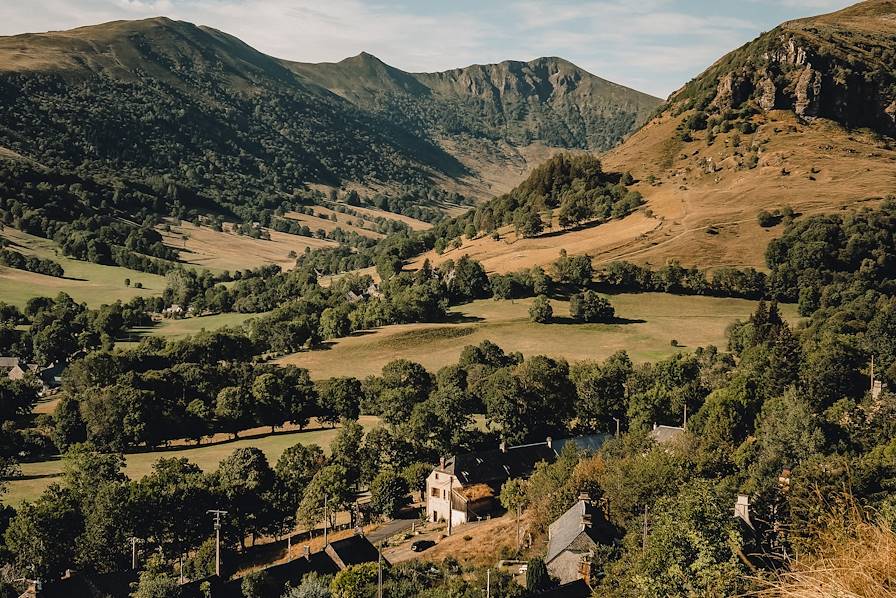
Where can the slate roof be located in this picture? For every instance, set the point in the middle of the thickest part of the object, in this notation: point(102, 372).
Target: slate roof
point(497, 465)
point(589, 444)
point(9, 362)
point(569, 531)
point(664, 434)
point(573, 589)
point(353, 550)
point(488, 467)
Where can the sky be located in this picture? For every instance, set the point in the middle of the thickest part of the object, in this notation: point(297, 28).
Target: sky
point(654, 46)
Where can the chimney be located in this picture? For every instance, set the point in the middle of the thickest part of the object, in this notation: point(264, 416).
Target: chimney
point(442, 463)
point(550, 442)
point(307, 552)
point(503, 446)
point(654, 425)
point(585, 569)
point(742, 509)
point(585, 496)
point(586, 520)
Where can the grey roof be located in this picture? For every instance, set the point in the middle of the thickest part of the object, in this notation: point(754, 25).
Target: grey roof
point(486, 467)
point(579, 529)
point(354, 550)
point(9, 362)
point(497, 465)
point(665, 434)
point(589, 444)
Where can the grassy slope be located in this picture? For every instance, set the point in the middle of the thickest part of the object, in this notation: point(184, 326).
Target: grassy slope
point(650, 322)
point(37, 476)
point(92, 283)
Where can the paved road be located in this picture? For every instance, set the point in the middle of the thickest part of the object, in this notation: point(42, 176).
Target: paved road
point(387, 530)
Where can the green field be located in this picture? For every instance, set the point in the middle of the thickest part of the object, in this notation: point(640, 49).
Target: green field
point(37, 476)
point(173, 329)
point(91, 283)
point(648, 322)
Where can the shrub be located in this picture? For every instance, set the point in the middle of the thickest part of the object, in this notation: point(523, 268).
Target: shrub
point(541, 311)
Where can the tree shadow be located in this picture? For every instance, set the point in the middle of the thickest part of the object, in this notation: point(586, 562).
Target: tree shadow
point(459, 318)
point(568, 320)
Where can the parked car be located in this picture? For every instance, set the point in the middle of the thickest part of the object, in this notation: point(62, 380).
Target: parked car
point(421, 545)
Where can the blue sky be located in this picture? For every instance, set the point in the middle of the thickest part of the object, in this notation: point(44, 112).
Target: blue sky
point(652, 45)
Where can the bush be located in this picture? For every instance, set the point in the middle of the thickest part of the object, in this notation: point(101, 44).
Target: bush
point(590, 307)
point(541, 311)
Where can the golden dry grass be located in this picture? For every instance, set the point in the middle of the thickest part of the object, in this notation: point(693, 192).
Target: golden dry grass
point(859, 561)
point(228, 251)
point(322, 220)
point(699, 186)
point(648, 323)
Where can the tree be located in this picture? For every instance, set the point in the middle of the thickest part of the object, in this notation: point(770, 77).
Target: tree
point(590, 307)
point(84, 470)
point(244, 478)
point(334, 323)
point(331, 485)
point(345, 450)
point(297, 466)
point(388, 494)
point(43, 534)
point(415, 476)
point(313, 585)
point(575, 270)
point(600, 391)
point(68, 425)
point(541, 311)
point(358, 581)
point(156, 581)
point(537, 577)
point(691, 549)
point(404, 384)
point(340, 398)
point(178, 495)
point(787, 433)
point(258, 584)
point(527, 223)
point(513, 498)
point(233, 409)
point(108, 525)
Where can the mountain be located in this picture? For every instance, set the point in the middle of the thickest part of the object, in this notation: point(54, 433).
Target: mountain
point(232, 126)
point(548, 100)
point(801, 118)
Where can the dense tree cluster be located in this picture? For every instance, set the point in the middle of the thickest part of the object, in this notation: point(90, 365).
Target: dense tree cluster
point(30, 263)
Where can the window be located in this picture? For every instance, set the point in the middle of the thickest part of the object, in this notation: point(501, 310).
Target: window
point(434, 492)
point(437, 476)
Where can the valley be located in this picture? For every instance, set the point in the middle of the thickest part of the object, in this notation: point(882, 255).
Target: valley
point(533, 332)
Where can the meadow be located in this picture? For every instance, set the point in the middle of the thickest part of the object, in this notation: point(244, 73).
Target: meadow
point(646, 325)
point(36, 476)
point(91, 283)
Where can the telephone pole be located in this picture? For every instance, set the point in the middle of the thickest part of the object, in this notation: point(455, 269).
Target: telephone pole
point(134, 542)
point(326, 522)
point(450, 506)
point(379, 570)
point(217, 513)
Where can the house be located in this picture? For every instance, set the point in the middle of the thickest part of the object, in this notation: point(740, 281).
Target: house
point(665, 434)
point(175, 311)
point(573, 539)
point(473, 480)
point(8, 363)
point(354, 550)
point(20, 371)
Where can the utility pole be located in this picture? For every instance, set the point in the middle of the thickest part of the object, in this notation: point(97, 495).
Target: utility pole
point(450, 509)
point(488, 583)
point(134, 542)
point(326, 522)
point(617, 426)
point(685, 426)
point(518, 539)
point(379, 570)
point(644, 539)
point(217, 513)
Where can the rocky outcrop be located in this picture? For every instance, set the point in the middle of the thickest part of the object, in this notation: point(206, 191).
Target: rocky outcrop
point(808, 93)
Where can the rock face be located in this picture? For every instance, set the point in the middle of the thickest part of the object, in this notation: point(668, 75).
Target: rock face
point(840, 66)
